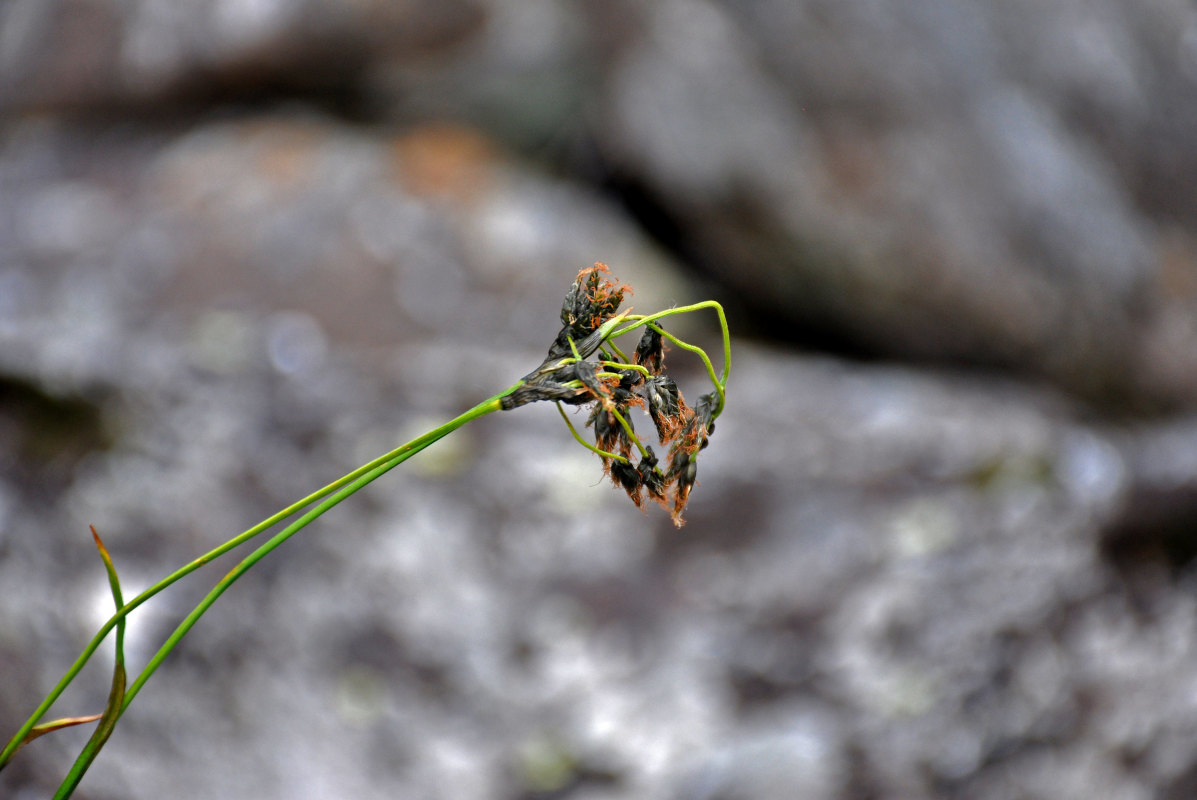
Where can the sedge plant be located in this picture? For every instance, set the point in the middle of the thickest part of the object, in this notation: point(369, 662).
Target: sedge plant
point(585, 366)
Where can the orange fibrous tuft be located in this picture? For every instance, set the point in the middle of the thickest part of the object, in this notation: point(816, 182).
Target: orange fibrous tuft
point(605, 296)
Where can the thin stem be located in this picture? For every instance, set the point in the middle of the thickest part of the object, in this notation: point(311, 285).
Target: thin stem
point(719, 388)
point(172, 578)
point(397, 455)
point(625, 367)
point(627, 428)
point(585, 443)
point(618, 352)
point(407, 451)
point(720, 382)
point(400, 455)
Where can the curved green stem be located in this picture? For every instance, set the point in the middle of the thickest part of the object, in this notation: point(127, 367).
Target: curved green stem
point(626, 367)
point(627, 428)
point(720, 382)
point(618, 352)
point(582, 441)
point(172, 578)
point(719, 387)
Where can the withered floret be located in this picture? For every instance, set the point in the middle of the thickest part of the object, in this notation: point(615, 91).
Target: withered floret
point(703, 410)
point(684, 470)
point(530, 393)
point(629, 379)
point(650, 476)
point(591, 300)
point(587, 373)
point(666, 406)
point(567, 384)
point(627, 477)
point(609, 434)
point(650, 351)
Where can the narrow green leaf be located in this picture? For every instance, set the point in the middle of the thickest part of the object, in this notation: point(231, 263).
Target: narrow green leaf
point(49, 727)
point(116, 695)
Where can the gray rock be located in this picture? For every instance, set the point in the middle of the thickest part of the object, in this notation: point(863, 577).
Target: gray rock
point(895, 582)
point(73, 54)
point(1000, 184)
point(930, 179)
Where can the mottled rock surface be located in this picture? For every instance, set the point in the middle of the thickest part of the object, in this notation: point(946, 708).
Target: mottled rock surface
point(247, 246)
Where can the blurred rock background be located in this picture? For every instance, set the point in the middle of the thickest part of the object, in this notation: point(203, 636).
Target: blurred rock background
point(944, 540)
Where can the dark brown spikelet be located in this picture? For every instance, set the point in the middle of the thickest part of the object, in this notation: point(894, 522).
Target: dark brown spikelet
point(591, 300)
point(551, 382)
point(666, 406)
point(531, 392)
point(629, 379)
point(695, 427)
point(683, 454)
point(627, 477)
point(699, 427)
point(587, 373)
point(650, 476)
point(650, 350)
point(684, 469)
point(609, 434)
point(606, 429)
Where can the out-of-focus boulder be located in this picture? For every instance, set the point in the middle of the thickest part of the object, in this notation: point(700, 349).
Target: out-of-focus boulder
point(1004, 184)
point(895, 582)
point(76, 54)
point(891, 581)
point(993, 183)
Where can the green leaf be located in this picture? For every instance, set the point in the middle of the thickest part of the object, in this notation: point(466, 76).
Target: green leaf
point(116, 694)
point(50, 727)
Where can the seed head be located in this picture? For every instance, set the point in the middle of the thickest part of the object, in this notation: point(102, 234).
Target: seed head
point(567, 375)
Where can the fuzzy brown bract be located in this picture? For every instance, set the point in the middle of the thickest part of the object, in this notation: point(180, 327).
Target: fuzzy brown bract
point(592, 300)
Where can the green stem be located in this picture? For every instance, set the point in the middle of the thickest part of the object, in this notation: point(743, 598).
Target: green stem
point(626, 367)
point(582, 441)
point(627, 428)
point(351, 482)
point(719, 382)
point(410, 449)
point(618, 352)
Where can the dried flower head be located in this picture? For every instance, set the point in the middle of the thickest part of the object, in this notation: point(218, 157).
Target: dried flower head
point(584, 367)
point(592, 300)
